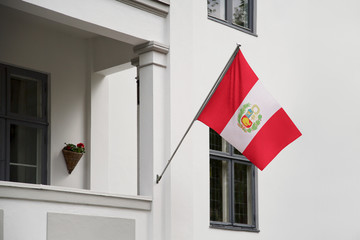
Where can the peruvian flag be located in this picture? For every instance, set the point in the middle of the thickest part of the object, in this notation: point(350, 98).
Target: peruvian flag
point(247, 116)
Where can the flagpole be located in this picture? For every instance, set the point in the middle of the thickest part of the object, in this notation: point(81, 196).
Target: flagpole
point(158, 178)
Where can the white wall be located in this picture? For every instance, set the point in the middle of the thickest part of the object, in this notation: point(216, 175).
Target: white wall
point(109, 53)
point(31, 45)
point(306, 55)
point(33, 221)
point(76, 227)
point(99, 128)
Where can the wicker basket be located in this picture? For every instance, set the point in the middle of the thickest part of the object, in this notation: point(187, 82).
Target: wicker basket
point(71, 159)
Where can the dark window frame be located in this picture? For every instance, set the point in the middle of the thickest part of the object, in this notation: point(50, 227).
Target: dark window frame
point(228, 17)
point(233, 158)
point(7, 118)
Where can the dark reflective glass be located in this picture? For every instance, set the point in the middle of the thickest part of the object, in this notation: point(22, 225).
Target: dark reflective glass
point(2, 144)
point(25, 96)
point(23, 174)
point(242, 194)
point(217, 142)
point(2, 92)
point(219, 191)
point(237, 152)
point(25, 144)
point(241, 13)
point(216, 8)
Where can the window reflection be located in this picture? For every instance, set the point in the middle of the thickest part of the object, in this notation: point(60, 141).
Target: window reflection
point(25, 96)
point(219, 191)
point(240, 13)
point(216, 8)
point(242, 194)
point(25, 153)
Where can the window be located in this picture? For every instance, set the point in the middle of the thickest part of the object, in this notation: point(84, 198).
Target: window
point(232, 187)
point(23, 125)
point(239, 14)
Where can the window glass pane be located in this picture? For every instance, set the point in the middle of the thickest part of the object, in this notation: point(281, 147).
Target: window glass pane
point(2, 93)
point(25, 153)
point(2, 146)
point(217, 142)
point(22, 174)
point(219, 191)
point(237, 152)
point(241, 13)
point(242, 194)
point(25, 96)
point(216, 8)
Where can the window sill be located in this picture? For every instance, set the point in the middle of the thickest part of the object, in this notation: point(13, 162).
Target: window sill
point(233, 26)
point(44, 193)
point(235, 228)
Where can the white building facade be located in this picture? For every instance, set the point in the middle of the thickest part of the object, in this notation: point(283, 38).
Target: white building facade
point(127, 77)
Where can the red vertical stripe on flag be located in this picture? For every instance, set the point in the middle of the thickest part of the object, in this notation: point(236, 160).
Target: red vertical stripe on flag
point(233, 88)
point(278, 132)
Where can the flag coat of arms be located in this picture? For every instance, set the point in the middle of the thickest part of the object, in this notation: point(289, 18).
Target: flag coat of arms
point(247, 116)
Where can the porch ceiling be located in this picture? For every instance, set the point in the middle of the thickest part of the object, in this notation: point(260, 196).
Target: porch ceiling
point(83, 19)
point(106, 52)
point(17, 15)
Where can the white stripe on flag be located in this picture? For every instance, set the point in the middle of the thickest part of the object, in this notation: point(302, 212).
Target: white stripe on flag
point(267, 105)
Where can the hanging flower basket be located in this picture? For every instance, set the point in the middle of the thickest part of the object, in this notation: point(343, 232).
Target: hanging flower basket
point(72, 155)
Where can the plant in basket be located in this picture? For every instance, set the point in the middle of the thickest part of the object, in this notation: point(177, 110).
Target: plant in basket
point(72, 154)
point(79, 148)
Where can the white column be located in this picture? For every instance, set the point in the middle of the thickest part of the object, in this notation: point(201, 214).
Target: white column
point(153, 112)
point(99, 139)
point(154, 134)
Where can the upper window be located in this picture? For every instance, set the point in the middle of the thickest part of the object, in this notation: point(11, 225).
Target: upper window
point(232, 187)
point(239, 14)
point(23, 125)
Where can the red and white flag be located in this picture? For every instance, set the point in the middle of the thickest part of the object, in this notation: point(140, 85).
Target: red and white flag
point(247, 116)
